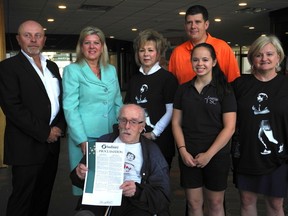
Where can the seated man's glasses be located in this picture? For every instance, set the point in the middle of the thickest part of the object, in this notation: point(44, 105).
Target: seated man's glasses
point(123, 121)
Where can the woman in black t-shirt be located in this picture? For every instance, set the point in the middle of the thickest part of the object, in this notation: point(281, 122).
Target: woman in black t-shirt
point(262, 118)
point(153, 88)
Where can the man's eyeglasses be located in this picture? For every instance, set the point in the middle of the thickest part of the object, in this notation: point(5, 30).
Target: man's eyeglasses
point(123, 121)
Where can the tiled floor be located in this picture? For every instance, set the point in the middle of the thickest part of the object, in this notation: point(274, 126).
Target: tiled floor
point(63, 202)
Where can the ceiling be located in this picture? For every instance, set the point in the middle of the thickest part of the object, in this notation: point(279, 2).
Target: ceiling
point(162, 15)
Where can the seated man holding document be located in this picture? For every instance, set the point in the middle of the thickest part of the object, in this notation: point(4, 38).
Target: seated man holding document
point(146, 184)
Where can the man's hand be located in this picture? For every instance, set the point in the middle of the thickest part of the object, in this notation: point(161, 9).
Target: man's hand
point(129, 188)
point(55, 133)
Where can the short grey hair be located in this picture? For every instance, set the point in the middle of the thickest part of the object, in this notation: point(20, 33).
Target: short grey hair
point(140, 109)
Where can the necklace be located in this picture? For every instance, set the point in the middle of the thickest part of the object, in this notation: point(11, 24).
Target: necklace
point(96, 70)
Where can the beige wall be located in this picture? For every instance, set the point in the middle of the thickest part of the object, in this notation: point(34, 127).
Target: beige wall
point(2, 56)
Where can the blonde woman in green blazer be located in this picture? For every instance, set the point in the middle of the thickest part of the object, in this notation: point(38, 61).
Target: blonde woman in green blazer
point(91, 95)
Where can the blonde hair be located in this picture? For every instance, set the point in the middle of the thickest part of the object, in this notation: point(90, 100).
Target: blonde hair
point(262, 41)
point(149, 35)
point(91, 30)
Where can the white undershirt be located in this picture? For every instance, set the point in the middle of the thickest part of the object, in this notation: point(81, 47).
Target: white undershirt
point(50, 82)
point(133, 161)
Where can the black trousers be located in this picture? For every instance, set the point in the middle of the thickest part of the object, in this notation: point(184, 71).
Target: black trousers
point(32, 188)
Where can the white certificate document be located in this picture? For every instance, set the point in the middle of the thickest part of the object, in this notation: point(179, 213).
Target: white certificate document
point(105, 162)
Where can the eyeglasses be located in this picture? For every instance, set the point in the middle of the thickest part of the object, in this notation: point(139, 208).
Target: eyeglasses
point(123, 121)
point(29, 36)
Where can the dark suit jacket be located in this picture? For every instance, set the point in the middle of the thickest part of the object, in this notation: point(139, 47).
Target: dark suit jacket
point(27, 108)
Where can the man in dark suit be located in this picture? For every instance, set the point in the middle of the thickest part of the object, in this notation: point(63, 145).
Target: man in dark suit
point(30, 96)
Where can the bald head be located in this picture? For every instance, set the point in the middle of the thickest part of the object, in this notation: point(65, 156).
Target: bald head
point(131, 123)
point(138, 111)
point(31, 38)
point(30, 24)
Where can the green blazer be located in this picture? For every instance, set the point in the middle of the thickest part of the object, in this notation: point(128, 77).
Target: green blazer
point(90, 105)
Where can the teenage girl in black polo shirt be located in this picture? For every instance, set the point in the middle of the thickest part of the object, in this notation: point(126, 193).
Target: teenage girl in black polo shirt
point(204, 117)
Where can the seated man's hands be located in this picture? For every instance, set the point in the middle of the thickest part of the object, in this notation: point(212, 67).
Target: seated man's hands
point(81, 170)
point(129, 188)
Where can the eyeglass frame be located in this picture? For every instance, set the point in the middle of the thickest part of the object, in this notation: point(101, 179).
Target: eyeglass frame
point(132, 122)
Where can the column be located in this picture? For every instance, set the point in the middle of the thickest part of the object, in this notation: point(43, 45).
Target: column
point(2, 56)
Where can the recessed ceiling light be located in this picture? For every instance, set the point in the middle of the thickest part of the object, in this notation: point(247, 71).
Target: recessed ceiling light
point(217, 20)
point(45, 29)
point(111, 36)
point(263, 35)
point(182, 13)
point(62, 6)
point(134, 29)
point(286, 33)
point(50, 20)
point(251, 27)
point(242, 4)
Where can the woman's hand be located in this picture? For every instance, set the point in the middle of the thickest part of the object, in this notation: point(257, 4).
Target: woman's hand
point(187, 158)
point(148, 135)
point(202, 159)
